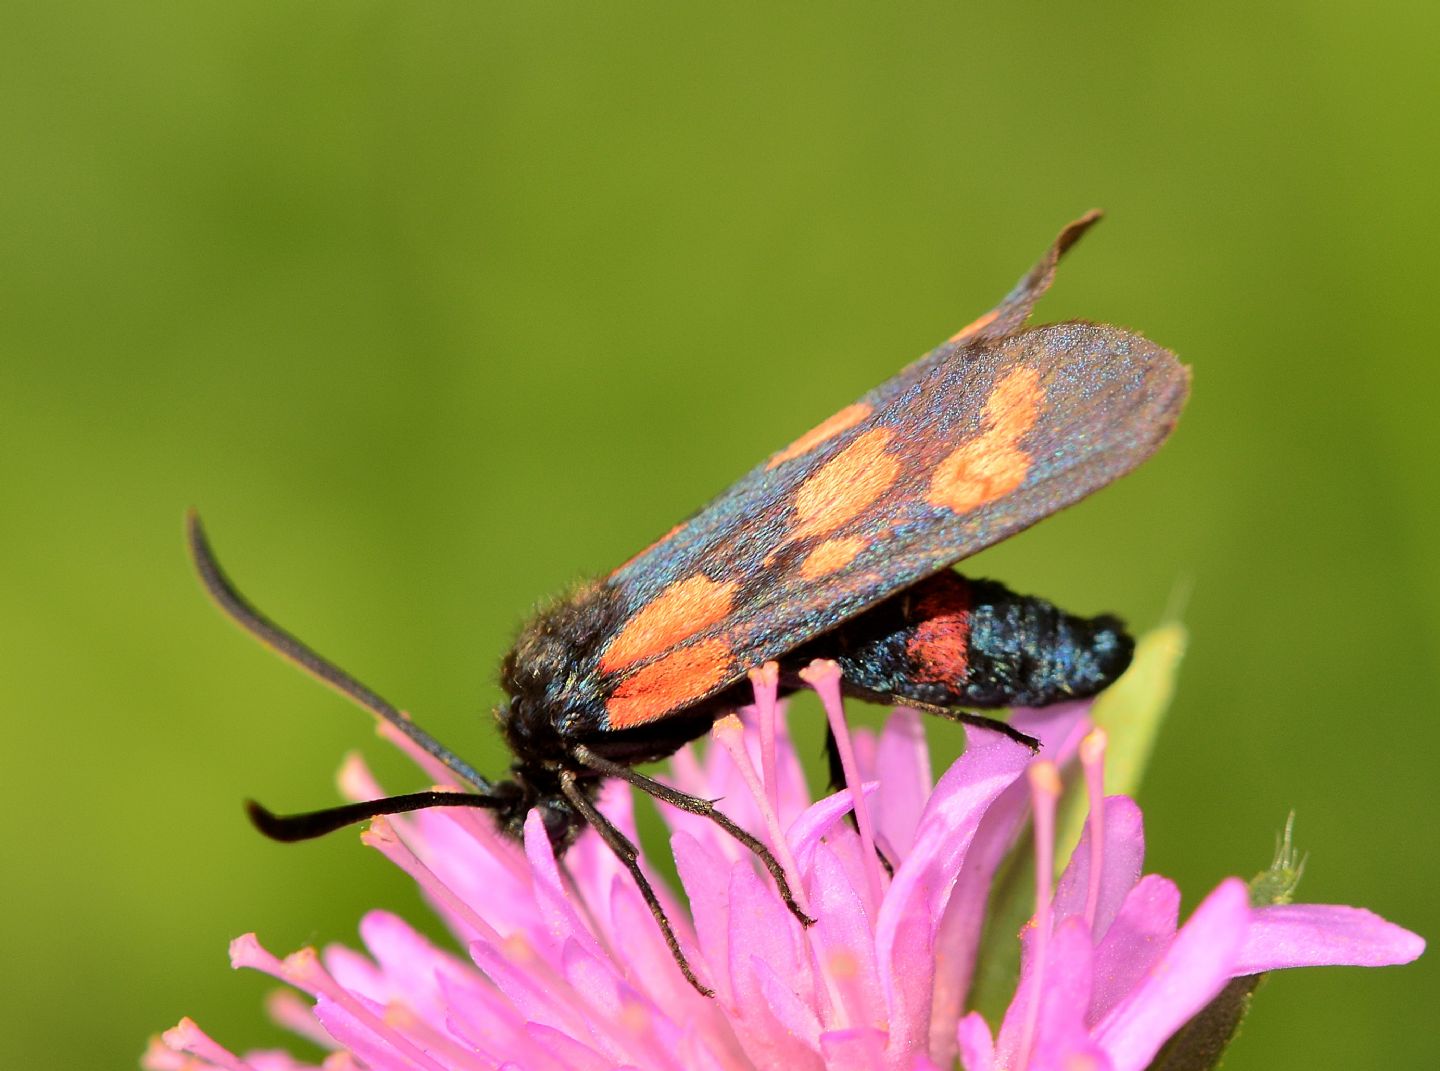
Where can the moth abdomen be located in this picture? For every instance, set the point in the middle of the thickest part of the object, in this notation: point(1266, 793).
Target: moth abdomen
point(1027, 652)
point(955, 642)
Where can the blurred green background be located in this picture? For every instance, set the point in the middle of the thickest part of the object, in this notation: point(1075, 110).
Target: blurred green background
point(433, 308)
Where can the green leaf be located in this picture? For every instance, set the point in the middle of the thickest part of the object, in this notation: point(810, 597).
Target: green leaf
point(1131, 711)
point(1134, 707)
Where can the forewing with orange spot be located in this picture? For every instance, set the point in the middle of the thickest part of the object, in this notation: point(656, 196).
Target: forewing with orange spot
point(967, 446)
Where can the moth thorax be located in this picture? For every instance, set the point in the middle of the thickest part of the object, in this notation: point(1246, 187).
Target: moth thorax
point(1026, 651)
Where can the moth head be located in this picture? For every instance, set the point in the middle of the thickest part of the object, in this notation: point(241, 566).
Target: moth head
point(537, 788)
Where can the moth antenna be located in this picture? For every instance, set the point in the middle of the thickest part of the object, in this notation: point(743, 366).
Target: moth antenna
point(312, 824)
point(239, 609)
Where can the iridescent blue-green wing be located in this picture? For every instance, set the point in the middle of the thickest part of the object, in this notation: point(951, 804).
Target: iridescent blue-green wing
point(974, 442)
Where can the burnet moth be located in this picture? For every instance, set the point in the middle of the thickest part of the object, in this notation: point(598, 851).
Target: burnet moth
point(838, 547)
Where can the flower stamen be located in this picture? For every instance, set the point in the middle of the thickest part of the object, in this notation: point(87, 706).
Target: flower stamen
point(766, 683)
point(1045, 788)
point(186, 1036)
point(728, 732)
point(303, 970)
point(824, 676)
point(382, 836)
point(1092, 761)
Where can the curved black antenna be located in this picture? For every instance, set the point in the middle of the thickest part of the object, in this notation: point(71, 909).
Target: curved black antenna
point(293, 827)
point(239, 610)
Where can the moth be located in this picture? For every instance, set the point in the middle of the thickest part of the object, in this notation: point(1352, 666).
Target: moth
point(838, 546)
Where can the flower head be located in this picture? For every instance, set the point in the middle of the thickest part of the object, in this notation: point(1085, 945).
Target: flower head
point(562, 966)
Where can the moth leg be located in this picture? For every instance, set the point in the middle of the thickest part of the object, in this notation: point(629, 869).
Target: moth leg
point(837, 782)
point(980, 721)
point(629, 856)
point(704, 808)
point(834, 767)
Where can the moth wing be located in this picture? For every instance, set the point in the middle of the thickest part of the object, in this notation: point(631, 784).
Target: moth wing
point(980, 447)
point(1006, 318)
point(652, 569)
point(976, 448)
point(981, 437)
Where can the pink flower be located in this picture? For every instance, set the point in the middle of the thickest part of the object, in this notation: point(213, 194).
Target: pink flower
point(1107, 976)
point(563, 968)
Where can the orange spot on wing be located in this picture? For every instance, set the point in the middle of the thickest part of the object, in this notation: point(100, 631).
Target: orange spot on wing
point(841, 488)
point(831, 556)
point(668, 684)
point(991, 465)
point(974, 327)
point(673, 616)
point(844, 420)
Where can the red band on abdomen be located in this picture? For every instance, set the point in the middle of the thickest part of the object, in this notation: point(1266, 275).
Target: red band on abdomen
point(939, 646)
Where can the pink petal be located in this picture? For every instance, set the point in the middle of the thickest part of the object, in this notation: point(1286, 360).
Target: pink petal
point(842, 941)
point(795, 1016)
point(703, 874)
point(360, 1039)
point(920, 1062)
point(535, 989)
point(818, 819)
point(1195, 967)
point(274, 1060)
point(188, 1037)
point(912, 971)
point(693, 1054)
point(762, 929)
point(1124, 854)
point(566, 1051)
point(902, 768)
point(976, 1046)
point(483, 1019)
point(792, 790)
point(461, 917)
point(356, 973)
point(562, 921)
point(725, 786)
point(591, 862)
point(1059, 730)
point(910, 914)
point(854, 1049)
point(410, 964)
point(287, 1010)
point(489, 874)
point(1140, 934)
point(624, 1025)
point(1062, 1038)
point(1323, 935)
point(638, 947)
point(865, 744)
point(990, 764)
